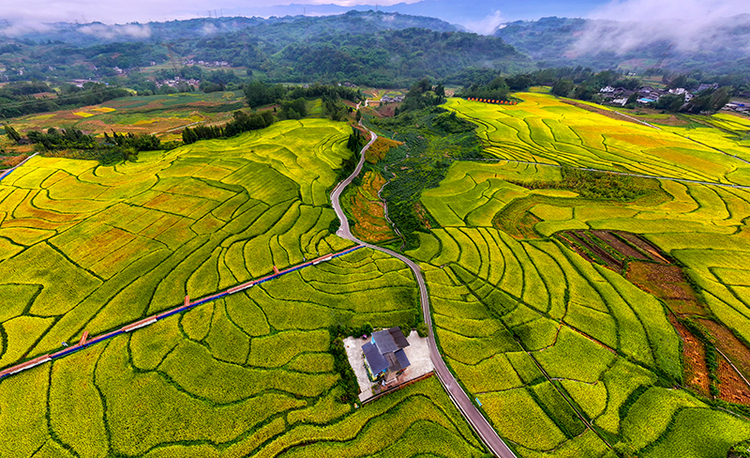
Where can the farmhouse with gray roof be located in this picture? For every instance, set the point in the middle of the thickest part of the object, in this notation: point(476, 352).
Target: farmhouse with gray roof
point(384, 352)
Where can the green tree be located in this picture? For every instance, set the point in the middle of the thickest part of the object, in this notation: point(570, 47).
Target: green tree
point(670, 102)
point(258, 93)
point(12, 133)
point(519, 82)
point(440, 90)
point(563, 87)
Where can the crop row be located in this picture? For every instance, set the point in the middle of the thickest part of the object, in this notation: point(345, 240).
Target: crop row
point(102, 246)
point(483, 350)
point(545, 128)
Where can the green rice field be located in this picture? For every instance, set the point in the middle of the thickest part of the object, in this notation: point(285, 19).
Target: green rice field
point(163, 115)
point(545, 129)
point(566, 357)
point(91, 248)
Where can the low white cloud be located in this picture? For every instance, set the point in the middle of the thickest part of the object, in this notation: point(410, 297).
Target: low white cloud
point(17, 28)
point(209, 29)
point(127, 11)
point(116, 31)
point(485, 26)
point(687, 25)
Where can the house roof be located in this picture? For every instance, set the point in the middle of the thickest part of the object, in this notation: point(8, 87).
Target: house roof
point(390, 340)
point(384, 341)
point(402, 359)
point(398, 337)
point(393, 363)
point(375, 359)
point(385, 351)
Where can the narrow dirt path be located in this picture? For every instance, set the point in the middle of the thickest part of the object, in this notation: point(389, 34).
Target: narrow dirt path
point(475, 418)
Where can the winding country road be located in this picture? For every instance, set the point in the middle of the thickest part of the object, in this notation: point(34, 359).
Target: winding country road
point(480, 424)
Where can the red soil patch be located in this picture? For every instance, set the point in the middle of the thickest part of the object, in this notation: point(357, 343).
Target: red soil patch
point(388, 111)
point(365, 133)
point(611, 262)
point(668, 283)
point(610, 239)
point(730, 345)
point(732, 388)
point(694, 358)
point(651, 250)
point(368, 210)
point(422, 215)
point(45, 95)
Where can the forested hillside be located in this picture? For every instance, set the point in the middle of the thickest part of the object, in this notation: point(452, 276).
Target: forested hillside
point(369, 48)
point(558, 42)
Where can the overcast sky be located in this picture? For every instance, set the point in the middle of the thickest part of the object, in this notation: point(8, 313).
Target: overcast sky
point(683, 17)
point(123, 11)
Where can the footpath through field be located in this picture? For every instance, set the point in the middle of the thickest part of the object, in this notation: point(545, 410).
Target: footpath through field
point(86, 341)
point(475, 418)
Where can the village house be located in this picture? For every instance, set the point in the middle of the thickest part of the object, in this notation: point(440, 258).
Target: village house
point(384, 354)
point(392, 99)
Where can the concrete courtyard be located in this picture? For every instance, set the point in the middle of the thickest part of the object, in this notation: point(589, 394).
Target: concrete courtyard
point(418, 353)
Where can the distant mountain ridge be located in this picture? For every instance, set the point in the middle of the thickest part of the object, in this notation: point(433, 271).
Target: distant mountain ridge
point(552, 41)
point(94, 33)
point(365, 47)
point(368, 48)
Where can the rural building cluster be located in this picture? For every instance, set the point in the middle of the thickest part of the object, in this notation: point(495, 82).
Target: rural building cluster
point(645, 95)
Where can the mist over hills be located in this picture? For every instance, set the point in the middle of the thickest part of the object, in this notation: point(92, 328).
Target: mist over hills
point(291, 27)
point(374, 48)
point(718, 46)
point(367, 47)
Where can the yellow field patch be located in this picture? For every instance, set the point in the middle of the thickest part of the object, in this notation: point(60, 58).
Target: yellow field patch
point(83, 114)
point(103, 109)
point(554, 193)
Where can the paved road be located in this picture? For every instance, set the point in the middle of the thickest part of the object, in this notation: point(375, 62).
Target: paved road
point(486, 432)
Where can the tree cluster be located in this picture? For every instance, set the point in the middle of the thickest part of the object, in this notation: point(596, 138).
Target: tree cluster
point(709, 100)
point(241, 122)
point(422, 95)
point(260, 93)
point(70, 138)
point(293, 109)
point(342, 367)
point(356, 141)
point(73, 143)
point(139, 142)
point(497, 89)
point(595, 185)
point(19, 99)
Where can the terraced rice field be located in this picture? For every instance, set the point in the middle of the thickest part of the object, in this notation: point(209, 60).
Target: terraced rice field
point(91, 248)
point(568, 357)
point(160, 114)
point(544, 129)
